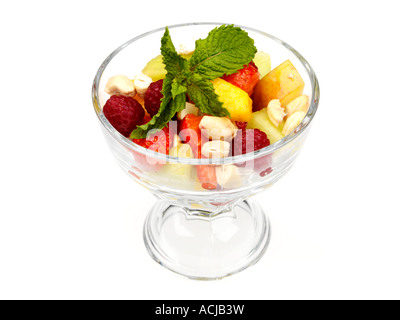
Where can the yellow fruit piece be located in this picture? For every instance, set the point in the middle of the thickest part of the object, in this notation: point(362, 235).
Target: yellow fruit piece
point(234, 99)
point(263, 63)
point(260, 120)
point(283, 83)
point(155, 69)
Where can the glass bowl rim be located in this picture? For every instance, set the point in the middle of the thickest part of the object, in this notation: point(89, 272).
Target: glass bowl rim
point(229, 160)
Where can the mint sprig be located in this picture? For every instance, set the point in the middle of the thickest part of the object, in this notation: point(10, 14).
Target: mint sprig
point(225, 51)
point(168, 108)
point(174, 63)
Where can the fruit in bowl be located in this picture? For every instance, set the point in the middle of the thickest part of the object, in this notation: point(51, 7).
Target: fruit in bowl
point(204, 126)
point(222, 96)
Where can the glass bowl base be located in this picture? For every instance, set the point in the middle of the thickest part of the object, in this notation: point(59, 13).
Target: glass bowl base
point(206, 246)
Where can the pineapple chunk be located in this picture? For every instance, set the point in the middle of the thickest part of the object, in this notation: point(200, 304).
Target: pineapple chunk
point(261, 121)
point(155, 69)
point(234, 99)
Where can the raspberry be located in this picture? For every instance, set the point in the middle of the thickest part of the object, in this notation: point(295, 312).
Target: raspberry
point(153, 96)
point(251, 140)
point(241, 125)
point(124, 113)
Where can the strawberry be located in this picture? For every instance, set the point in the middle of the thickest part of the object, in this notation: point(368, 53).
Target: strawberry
point(189, 131)
point(158, 142)
point(146, 119)
point(207, 177)
point(246, 78)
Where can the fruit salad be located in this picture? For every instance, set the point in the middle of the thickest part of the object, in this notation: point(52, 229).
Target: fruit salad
point(218, 100)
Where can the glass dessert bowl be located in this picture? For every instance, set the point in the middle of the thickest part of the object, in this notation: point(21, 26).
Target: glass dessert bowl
point(197, 228)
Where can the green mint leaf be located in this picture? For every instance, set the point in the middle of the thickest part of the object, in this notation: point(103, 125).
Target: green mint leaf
point(174, 63)
point(177, 104)
point(179, 86)
point(168, 108)
point(225, 51)
point(201, 92)
point(173, 90)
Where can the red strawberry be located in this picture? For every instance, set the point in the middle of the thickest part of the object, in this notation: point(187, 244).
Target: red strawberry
point(189, 131)
point(207, 177)
point(246, 78)
point(146, 119)
point(158, 142)
point(124, 114)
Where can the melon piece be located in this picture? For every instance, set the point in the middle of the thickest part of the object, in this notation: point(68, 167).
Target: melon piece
point(283, 83)
point(260, 120)
point(263, 63)
point(155, 69)
point(177, 171)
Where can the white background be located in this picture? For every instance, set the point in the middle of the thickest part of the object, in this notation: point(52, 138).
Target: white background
point(71, 221)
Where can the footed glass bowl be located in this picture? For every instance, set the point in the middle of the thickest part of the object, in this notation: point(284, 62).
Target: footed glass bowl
point(200, 233)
